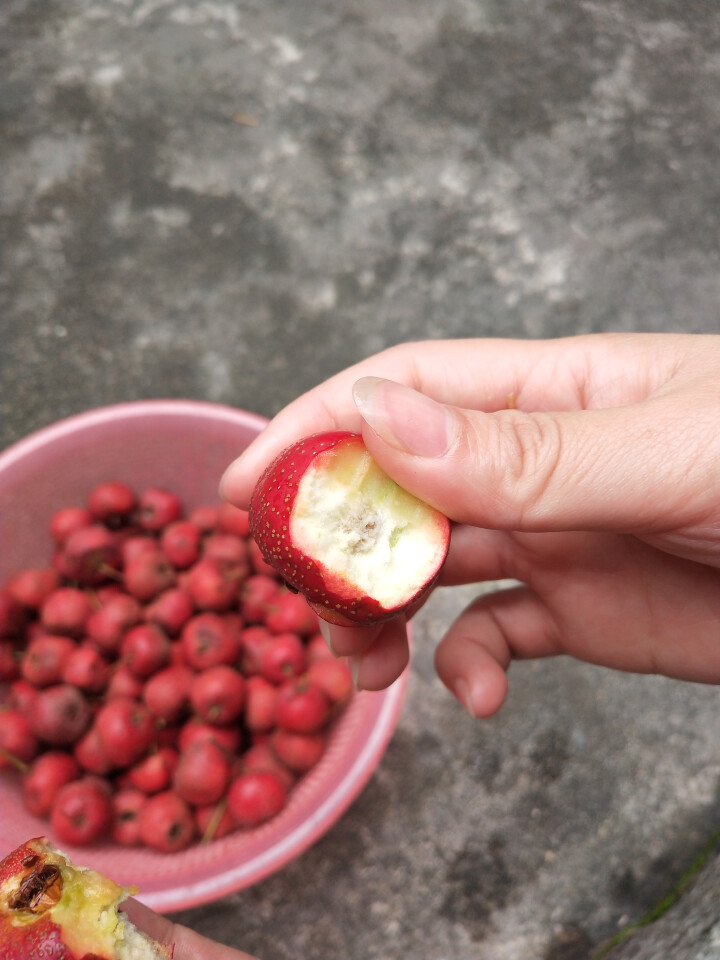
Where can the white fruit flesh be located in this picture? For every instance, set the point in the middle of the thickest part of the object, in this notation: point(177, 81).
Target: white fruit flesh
point(355, 521)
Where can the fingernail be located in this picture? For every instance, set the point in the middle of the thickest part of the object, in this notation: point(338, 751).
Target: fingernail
point(462, 692)
point(404, 418)
point(354, 663)
point(325, 631)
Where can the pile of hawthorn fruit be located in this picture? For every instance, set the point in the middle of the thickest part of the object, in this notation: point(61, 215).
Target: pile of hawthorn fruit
point(161, 684)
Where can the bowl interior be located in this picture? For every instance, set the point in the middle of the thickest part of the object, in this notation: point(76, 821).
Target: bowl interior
point(185, 446)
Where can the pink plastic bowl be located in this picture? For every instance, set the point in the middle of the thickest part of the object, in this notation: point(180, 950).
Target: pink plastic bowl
point(185, 446)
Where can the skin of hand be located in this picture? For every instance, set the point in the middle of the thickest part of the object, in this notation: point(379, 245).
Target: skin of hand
point(188, 945)
point(585, 468)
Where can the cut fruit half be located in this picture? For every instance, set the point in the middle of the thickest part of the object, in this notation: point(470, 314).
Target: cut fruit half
point(338, 529)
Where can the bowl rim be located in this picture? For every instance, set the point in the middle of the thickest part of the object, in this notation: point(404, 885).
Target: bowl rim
point(126, 410)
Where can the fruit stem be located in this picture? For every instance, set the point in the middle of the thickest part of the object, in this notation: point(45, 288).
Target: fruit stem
point(110, 572)
point(214, 821)
point(14, 761)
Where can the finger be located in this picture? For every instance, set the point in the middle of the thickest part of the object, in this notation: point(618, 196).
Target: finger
point(385, 659)
point(476, 554)
point(586, 469)
point(155, 925)
point(481, 374)
point(347, 641)
point(188, 945)
point(473, 657)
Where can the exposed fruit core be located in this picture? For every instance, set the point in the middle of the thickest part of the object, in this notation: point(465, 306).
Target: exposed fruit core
point(80, 901)
point(354, 520)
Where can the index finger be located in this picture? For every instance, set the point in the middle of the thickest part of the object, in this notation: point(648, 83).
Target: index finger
point(483, 374)
point(186, 943)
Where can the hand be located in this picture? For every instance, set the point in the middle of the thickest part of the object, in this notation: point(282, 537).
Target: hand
point(586, 468)
point(188, 945)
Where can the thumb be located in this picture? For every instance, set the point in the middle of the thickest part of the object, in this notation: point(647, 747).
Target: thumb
point(609, 469)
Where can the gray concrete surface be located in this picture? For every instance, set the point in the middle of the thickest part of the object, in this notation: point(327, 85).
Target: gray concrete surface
point(232, 200)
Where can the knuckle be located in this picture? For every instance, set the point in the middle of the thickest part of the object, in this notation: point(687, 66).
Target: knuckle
point(530, 453)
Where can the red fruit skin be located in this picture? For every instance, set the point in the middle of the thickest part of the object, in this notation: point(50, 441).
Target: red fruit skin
point(206, 517)
point(180, 542)
point(289, 612)
point(17, 739)
point(260, 704)
point(233, 621)
point(177, 654)
point(261, 756)
point(316, 648)
point(107, 625)
point(154, 772)
point(208, 641)
point(302, 707)
point(123, 683)
point(44, 660)
point(157, 508)
point(298, 751)
point(126, 729)
point(112, 502)
point(252, 642)
point(60, 715)
point(147, 575)
point(170, 610)
point(63, 522)
point(145, 648)
point(127, 804)
point(202, 773)
point(271, 508)
point(333, 677)
point(32, 587)
point(81, 814)
point(231, 519)
point(66, 611)
point(214, 821)
point(283, 658)
point(87, 669)
point(167, 693)
point(255, 797)
point(228, 549)
point(218, 694)
point(47, 774)
point(258, 561)
point(167, 823)
point(10, 657)
point(13, 616)
point(256, 596)
point(134, 545)
point(228, 738)
point(90, 753)
point(21, 696)
point(213, 585)
point(89, 554)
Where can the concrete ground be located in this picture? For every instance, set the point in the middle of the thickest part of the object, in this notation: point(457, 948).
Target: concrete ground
point(232, 200)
